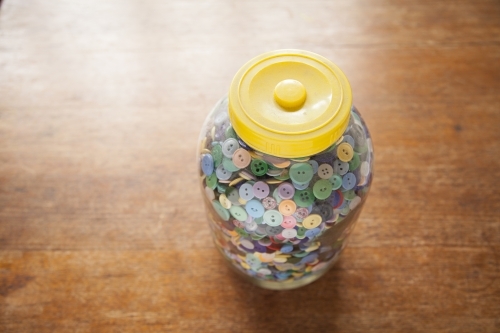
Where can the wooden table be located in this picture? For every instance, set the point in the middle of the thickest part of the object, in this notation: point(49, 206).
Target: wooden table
point(101, 103)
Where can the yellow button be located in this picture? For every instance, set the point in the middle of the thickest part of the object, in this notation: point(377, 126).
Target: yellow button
point(312, 221)
point(345, 152)
point(290, 94)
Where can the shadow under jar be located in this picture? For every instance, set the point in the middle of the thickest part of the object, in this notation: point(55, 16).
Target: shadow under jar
point(285, 163)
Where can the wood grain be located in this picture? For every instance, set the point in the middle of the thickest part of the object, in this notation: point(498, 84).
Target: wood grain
point(101, 102)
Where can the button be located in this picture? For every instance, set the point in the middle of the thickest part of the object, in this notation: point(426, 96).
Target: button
point(301, 232)
point(312, 221)
point(258, 167)
point(287, 207)
point(301, 173)
point(211, 181)
point(217, 154)
point(273, 230)
point(289, 233)
point(229, 147)
point(312, 233)
point(349, 139)
point(246, 243)
point(301, 213)
point(223, 213)
point(229, 165)
point(207, 164)
point(233, 195)
point(340, 167)
point(209, 193)
point(349, 181)
point(365, 168)
point(304, 198)
point(354, 163)
point(273, 218)
point(254, 208)
point(269, 203)
point(322, 189)
point(336, 199)
point(224, 201)
point(287, 248)
point(261, 190)
point(314, 165)
point(349, 195)
point(286, 191)
point(241, 158)
point(354, 202)
point(336, 181)
point(238, 213)
point(345, 152)
point(325, 171)
point(284, 175)
point(230, 133)
point(222, 173)
point(289, 222)
point(246, 191)
point(324, 210)
point(300, 186)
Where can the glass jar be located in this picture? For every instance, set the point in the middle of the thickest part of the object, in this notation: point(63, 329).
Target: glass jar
point(285, 163)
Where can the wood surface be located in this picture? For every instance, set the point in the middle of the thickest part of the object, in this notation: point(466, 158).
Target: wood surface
point(101, 223)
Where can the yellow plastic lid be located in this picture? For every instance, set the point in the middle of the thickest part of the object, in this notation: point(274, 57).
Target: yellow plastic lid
point(290, 103)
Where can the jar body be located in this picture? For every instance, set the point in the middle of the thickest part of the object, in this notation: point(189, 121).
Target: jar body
point(282, 223)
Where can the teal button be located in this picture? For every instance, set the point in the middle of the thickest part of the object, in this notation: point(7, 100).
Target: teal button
point(273, 218)
point(336, 181)
point(223, 213)
point(304, 198)
point(301, 231)
point(217, 154)
point(258, 167)
point(228, 164)
point(322, 189)
point(238, 213)
point(211, 181)
point(354, 163)
point(221, 188)
point(301, 173)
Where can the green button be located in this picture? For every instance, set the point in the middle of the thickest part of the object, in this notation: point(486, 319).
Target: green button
point(238, 213)
point(223, 213)
point(285, 175)
point(322, 189)
point(273, 218)
point(336, 181)
point(349, 195)
point(301, 173)
point(304, 198)
point(217, 154)
point(233, 195)
point(354, 163)
point(228, 164)
point(258, 167)
point(230, 133)
point(221, 188)
point(211, 181)
point(301, 231)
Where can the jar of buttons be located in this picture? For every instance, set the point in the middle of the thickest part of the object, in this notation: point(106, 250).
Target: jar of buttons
point(285, 167)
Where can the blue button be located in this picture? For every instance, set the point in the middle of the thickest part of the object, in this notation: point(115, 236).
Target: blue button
point(286, 248)
point(348, 181)
point(222, 173)
point(340, 167)
point(311, 233)
point(246, 191)
point(314, 165)
point(207, 164)
point(254, 208)
point(229, 147)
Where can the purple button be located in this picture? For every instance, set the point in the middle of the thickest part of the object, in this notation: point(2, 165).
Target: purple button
point(261, 190)
point(286, 190)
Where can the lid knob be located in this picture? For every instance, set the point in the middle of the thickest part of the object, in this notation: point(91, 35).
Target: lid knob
point(290, 94)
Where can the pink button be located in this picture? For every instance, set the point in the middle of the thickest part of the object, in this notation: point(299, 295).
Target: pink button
point(289, 222)
point(241, 158)
point(261, 190)
point(286, 190)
